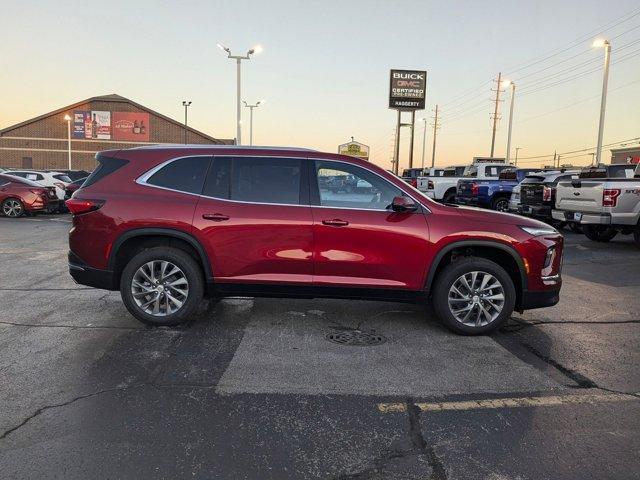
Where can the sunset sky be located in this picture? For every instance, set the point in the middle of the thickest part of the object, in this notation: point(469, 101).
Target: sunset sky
point(325, 67)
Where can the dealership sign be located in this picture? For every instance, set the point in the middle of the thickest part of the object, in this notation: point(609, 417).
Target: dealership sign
point(407, 89)
point(354, 149)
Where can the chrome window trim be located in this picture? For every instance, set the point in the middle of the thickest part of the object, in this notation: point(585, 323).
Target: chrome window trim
point(142, 180)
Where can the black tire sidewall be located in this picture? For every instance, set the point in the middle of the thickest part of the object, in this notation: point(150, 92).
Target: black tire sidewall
point(496, 201)
point(181, 259)
point(451, 273)
point(593, 232)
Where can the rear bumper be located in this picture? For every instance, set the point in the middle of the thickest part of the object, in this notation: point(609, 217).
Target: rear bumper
point(472, 201)
point(582, 218)
point(540, 211)
point(539, 299)
point(92, 277)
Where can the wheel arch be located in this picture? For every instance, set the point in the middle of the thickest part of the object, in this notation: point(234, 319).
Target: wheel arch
point(504, 255)
point(139, 237)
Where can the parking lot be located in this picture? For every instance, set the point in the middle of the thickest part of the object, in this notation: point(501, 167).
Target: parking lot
point(254, 388)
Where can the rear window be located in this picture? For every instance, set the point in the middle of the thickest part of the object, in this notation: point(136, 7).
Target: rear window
point(106, 166)
point(184, 175)
point(621, 171)
point(593, 173)
point(508, 174)
point(63, 178)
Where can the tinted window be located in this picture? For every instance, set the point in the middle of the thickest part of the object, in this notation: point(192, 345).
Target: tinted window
point(15, 179)
point(345, 185)
point(218, 178)
point(266, 180)
point(63, 178)
point(183, 175)
point(106, 166)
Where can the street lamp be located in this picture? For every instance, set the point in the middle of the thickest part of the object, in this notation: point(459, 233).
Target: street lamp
point(598, 43)
point(238, 58)
point(424, 139)
point(251, 107)
point(67, 119)
point(186, 105)
point(505, 84)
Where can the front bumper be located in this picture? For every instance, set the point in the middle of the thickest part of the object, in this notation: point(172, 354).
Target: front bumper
point(92, 277)
point(539, 299)
point(582, 218)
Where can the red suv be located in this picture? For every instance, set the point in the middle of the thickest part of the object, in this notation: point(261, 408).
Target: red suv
point(167, 225)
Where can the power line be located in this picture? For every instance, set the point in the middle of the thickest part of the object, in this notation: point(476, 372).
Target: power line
point(622, 142)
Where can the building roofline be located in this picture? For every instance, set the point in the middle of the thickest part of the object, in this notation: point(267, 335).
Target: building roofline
point(110, 98)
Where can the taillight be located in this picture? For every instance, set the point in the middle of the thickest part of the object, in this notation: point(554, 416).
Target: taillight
point(610, 197)
point(430, 185)
point(474, 189)
point(77, 206)
point(414, 182)
point(546, 194)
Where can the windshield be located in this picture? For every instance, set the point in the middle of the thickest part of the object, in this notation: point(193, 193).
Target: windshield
point(470, 171)
point(62, 177)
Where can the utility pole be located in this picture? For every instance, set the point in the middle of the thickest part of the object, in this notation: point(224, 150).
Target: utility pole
point(554, 157)
point(186, 105)
point(517, 148)
point(513, 95)
point(436, 126)
point(495, 112)
point(424, 139)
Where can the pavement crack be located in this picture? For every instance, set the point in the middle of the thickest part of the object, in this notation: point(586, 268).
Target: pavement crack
point(420, 444)
point(98, 327)
point(521, 324)
point(41, 410)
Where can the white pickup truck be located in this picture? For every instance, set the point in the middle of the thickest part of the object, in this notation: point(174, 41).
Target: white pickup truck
point(444, 188)
point(604, 200)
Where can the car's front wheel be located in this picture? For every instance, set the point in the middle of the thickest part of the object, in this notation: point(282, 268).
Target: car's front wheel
point(500, 204)
point(162, 286)
point(473, 296)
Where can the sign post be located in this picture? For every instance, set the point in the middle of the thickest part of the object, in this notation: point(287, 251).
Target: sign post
point(407, 93)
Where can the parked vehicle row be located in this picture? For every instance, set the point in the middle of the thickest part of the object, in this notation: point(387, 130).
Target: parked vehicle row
point(58, 186)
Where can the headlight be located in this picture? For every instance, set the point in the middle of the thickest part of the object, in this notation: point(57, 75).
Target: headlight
point(539, 231)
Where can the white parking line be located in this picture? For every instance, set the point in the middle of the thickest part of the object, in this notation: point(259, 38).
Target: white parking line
point(513, 402)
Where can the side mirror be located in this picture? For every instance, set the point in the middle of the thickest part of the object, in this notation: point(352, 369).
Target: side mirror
point(403, 204)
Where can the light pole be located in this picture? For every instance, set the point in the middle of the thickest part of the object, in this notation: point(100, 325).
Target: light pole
point(513, 95)
point(603, 101)
point(67, 119)
point(517, 148)
point(251, 107)
point(424, 138)
point(186, 105)
point(238, 59)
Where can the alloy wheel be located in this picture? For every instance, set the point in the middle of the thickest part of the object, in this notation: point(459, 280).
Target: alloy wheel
point(502, 205)
point(476, 299)
point(159, 288)
point(12, 208)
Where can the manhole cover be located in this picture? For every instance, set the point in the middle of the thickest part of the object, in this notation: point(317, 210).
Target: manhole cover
point(356, 338)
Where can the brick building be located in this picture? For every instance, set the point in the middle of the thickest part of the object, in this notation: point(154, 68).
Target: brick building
point(99, 123)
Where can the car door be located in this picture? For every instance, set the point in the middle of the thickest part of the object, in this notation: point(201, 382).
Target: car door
point(255, 221)
point(359, 240)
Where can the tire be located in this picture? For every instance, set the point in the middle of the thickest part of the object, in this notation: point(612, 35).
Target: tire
point(12, 208)
point(575, 227)
point(599, 233)
point(636, 235)
point(139, 268)
point(449, 197)
point(451, 275)
point(500, 204)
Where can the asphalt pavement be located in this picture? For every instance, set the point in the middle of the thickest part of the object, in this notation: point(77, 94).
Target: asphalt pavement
point(257, 389)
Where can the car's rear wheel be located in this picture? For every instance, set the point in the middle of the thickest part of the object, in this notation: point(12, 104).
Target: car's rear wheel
point(12, 207)
point(575, 227)
point(500, 204)
point(473, 296)
point(449, 197)
point(636, 235)
point(162, 286)
point(599, 233)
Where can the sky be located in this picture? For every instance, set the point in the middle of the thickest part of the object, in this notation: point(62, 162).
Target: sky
point(324, 70)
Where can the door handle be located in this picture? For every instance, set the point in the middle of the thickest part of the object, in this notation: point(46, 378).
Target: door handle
point(336, 222)
point(216, 217)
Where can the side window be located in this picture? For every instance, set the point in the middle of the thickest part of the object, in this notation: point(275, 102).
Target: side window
point(184, 175)
point(266, 180)
point(32, 176)
point(349, 186)
point(218, 182)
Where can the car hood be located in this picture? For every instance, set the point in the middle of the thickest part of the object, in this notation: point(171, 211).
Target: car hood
point(489, 216)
